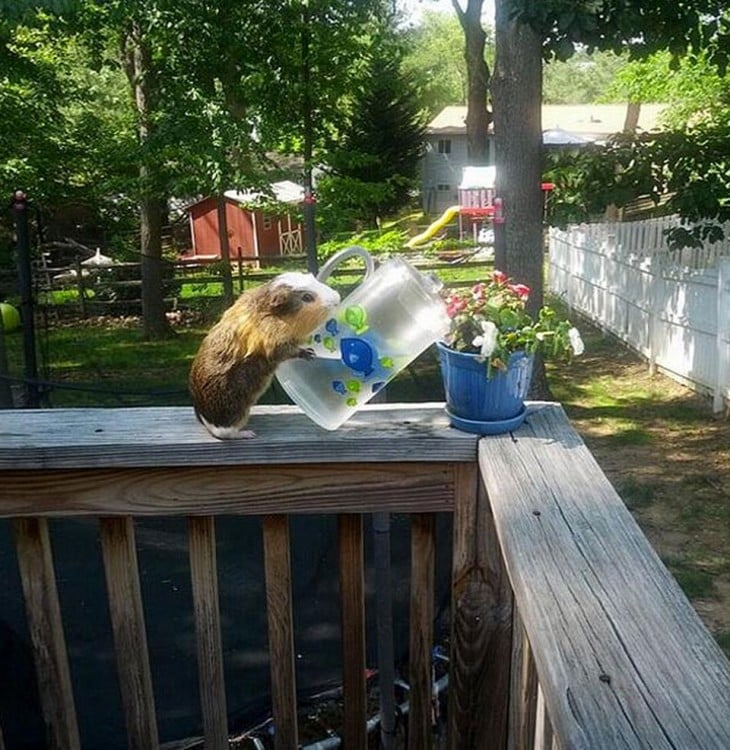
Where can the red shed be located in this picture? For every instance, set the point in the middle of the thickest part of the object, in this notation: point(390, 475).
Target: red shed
point(252, 231)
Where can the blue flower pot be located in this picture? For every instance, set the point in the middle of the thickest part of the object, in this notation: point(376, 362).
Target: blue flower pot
point(480, 404)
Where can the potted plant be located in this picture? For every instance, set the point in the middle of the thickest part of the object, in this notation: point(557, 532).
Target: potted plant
point(487, 357)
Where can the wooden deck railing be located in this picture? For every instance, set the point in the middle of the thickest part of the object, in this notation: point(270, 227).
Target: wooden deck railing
point(566, 629)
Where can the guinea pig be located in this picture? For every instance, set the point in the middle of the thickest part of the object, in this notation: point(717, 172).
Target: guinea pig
point(237, 359)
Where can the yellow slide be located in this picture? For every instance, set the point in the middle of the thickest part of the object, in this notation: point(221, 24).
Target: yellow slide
point(434, 228)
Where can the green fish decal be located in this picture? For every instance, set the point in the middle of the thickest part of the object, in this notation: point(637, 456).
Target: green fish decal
point(351, 401)
point(329, 343)
point(354, 386)
point(386, 362)
point(356, 318)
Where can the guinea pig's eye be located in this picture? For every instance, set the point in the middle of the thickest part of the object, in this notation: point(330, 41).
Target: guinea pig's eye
point(307, 297)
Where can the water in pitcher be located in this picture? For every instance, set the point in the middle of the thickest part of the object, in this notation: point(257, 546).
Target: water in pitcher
point(377, 331)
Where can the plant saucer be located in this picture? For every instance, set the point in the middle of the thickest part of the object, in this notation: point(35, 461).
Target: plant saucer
point(487, 427)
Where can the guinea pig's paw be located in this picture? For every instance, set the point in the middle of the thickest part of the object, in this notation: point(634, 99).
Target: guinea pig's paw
point(306, 353)
point(227, 433)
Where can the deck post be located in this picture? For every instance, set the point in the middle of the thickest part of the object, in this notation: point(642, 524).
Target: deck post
point(481, 626)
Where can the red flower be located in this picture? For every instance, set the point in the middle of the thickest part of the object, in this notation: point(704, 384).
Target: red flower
point(499, 277)
point(455, 305)
point(522, 291)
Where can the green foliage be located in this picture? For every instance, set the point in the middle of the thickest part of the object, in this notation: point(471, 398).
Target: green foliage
point(583, 79)
point(490, 319)
point(684, 168)
point(376, 242)
point(372, 167)
point(689, 169)
point(66, 130)
point(641, 26)
point(435, 60)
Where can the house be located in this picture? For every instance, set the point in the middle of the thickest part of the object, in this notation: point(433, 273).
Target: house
point(254, 231)
point(564, 125)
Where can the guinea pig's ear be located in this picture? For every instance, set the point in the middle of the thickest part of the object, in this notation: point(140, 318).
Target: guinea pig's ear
point(282, 301)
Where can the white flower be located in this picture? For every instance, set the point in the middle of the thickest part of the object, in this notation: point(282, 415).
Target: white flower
point(576, 342)
point(487, 342)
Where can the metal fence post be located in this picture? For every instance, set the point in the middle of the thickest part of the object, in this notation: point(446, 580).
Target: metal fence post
point(19, 207)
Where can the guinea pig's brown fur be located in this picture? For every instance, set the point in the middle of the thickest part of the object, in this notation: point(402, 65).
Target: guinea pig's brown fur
point(237, 359)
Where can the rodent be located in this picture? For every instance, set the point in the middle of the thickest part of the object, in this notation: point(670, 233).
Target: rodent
point(237, 359)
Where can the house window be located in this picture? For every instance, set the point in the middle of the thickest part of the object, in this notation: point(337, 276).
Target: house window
point(267, 223)
point(443, 187)
point(444, 146)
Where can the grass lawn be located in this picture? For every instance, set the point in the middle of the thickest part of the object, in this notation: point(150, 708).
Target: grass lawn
point(658, 443)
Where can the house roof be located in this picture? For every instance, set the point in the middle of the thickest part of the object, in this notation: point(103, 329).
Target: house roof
point(589, 122)
point(285, 191)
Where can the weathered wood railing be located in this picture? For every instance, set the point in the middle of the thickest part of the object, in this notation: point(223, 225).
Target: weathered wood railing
point(542, 548)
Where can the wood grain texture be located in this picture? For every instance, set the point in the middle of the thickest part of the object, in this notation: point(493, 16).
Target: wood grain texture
point(204, 578)
point(35, 562)
point(279, 605)
point(214, 490)
point(481, 628)
point(352, 596)
point(423, 571)
point(130, 637)
point(544, 736)
point(622, 657)
point(523, 690)
point(171, 436)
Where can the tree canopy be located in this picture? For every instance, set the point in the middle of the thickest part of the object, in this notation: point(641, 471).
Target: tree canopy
point(131, 102)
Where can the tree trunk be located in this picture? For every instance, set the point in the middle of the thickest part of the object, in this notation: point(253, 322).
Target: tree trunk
point(477, 115)
point(225, 248)
point(154, 321)
point(137, 60)
point(517, 98)
point(517, 102)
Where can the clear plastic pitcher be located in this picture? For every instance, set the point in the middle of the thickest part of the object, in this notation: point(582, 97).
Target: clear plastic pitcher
point(377, 330)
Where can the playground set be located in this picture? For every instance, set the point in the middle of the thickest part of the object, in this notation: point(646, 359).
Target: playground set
point(477, 205)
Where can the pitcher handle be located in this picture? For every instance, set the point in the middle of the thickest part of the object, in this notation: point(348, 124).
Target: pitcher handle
point(343, 255)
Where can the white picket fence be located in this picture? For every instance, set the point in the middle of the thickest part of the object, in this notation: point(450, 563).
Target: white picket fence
point(671, 307)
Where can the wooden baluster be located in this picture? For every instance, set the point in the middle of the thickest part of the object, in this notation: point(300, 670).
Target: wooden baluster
point(423, 550)
point(277, 563)
point(352, 594)
point(204, 576)
point(38, 577)
point(130, 638)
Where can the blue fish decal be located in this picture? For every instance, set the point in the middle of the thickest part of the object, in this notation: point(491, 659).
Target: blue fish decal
point(377, 386)
point(318, 337)
point(358, 355)
point(331, 327)
point(339, 386)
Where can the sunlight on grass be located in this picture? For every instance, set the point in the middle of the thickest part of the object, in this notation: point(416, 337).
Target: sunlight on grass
point(695, 582)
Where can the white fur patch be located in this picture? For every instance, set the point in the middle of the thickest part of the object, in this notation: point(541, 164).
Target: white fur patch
point(226, 433)
point(307, 282)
